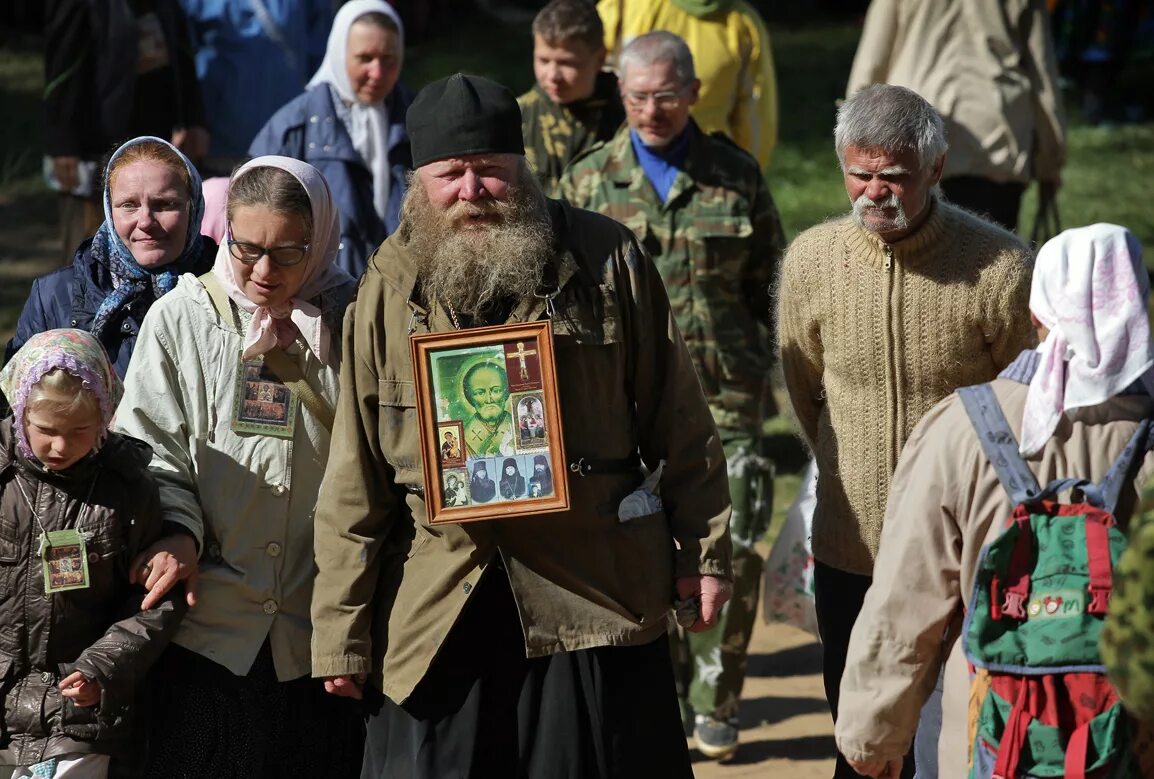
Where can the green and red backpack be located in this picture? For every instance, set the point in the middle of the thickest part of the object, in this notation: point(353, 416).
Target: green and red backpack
point(1040, 702)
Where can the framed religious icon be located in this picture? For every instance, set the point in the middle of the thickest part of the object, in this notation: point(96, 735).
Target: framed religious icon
point(490, 422)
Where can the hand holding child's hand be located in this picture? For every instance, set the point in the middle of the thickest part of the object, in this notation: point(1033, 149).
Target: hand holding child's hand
point(84, 691)
point(162, 565)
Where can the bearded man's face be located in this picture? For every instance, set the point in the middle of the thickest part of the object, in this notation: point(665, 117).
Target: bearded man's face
point(479, 229)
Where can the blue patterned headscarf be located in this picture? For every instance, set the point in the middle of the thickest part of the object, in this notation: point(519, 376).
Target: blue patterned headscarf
point(129, 280)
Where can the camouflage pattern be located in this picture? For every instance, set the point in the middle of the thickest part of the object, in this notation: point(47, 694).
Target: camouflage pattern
point(717, 242)
point(709, 667)
point(1127, 641)
point(556, 134)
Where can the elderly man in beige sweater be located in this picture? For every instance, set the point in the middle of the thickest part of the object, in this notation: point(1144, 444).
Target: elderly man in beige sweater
point(882, 313)
point(989, 67)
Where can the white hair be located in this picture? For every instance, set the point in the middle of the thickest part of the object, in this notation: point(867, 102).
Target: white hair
point(659, 46)
point(892, 118)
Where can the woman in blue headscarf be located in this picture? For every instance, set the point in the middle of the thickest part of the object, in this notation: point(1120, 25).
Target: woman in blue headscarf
point(150, 236)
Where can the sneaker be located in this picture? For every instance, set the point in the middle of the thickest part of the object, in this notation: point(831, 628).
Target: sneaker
point(716, 738)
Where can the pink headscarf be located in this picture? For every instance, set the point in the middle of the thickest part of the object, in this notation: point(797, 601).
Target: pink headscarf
point(1090, 289)
point(320, 272)
point(215, 221)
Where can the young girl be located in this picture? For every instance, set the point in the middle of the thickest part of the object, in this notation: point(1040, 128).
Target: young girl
point(76, 506)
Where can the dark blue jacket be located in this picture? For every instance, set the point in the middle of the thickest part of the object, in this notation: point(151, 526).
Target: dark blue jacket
point(69, 297)
point(309, 129)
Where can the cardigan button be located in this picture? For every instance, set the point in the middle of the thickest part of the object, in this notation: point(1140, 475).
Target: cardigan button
point(314, 119)
point(273, 549)
point(270, 607)
point(467, 588)
point(279, 490)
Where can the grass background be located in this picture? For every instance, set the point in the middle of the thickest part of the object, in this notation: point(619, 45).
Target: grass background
point(1107, 177)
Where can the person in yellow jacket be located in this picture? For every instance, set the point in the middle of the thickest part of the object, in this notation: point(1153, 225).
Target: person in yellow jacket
point(730, 46)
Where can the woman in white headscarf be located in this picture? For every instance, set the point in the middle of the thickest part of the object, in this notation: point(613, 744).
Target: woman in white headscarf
point(1089, 303)
point(232, 384)
point(350, 124)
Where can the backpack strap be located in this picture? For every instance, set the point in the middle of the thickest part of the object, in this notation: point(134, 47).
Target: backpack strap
point(276, 359)
point(1122, 470)
point(1098, 559)
point(999, 442)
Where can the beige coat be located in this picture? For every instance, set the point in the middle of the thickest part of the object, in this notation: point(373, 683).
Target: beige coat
point(988, 66)
point(390, 586)
point(945, 504)
point(247, 499)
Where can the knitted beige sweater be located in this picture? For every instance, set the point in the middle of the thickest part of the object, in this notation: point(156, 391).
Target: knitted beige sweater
point(873, 335)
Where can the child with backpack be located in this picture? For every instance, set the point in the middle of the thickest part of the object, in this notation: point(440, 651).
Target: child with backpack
point(998, 557)
point(77, 504)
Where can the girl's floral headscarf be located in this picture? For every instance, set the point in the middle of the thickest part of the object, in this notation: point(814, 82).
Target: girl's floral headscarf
point(75, 351)
point(129, 280)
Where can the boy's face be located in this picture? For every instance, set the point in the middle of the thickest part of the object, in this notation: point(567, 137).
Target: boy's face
point(60, 440)
point(566, 70)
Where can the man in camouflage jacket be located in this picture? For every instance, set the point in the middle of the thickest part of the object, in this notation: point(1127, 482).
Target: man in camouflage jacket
point(700, 207)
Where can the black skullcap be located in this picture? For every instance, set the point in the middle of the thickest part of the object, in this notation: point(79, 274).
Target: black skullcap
point(462, 115)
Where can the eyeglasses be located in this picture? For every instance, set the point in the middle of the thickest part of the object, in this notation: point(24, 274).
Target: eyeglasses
point(251, 253)
point(665, 101)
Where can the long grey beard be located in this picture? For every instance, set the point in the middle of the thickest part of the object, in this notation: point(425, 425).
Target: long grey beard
point(470, 269)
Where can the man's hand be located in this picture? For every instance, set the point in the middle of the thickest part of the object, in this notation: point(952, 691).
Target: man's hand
point(713, 594)
point(162, 565)
point(878, 769)
point(84, 691)
point(346, 686)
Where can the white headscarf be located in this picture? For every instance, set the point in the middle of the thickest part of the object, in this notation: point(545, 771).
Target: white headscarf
point(1090, 289)
point(320, 272)
point(368, 124)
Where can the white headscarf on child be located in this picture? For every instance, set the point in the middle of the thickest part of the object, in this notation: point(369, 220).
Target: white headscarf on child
point(368, 124)
point(1090, 289)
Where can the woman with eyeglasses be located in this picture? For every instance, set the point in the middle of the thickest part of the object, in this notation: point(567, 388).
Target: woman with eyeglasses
point(233, 384)
point(150, 235)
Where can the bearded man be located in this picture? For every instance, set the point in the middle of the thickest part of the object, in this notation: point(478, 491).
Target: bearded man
point(522, 646)
point(882, 314)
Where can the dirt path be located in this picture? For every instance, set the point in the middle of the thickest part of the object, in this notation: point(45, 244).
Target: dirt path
point(786, 728)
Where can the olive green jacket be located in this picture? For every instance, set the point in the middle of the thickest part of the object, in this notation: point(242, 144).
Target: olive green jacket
point(556, 134)
point(717, 242)
point(389, 586)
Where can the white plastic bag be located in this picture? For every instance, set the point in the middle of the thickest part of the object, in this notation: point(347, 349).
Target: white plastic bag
point(787, 586)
